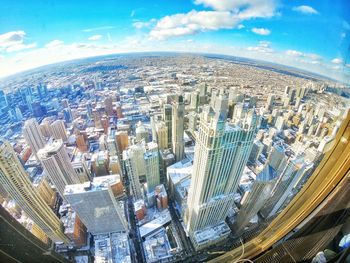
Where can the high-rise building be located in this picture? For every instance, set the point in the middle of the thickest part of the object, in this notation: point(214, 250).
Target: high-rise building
point(122, 141)
point(135, 168)
point(57, 165)
point(151, 157)
point(17, 184)
point(22, 245)
point(109, 106)
point(260, 192)
point(58, 130)
point(43, 188)
point(178, 128)
point(295, 170)
point(167, 117)
point(141, 133)
point(33, 136)
point(96, 205)
point(221, 153)
point(162, 135)
point(270, 102)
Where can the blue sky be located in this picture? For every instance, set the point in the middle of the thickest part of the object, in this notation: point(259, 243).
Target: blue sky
point(312, 35)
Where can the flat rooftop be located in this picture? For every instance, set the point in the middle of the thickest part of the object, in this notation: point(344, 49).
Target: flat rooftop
point(99, 183)
point(162, 218)
point(211, 233)
point(112, 248)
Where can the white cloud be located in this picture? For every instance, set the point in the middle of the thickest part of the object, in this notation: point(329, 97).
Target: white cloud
point(244, 8)
point(262, 47)
point(20, 47)
point(95, 37)
point(226, 14)
point(294, 53)
point(54, 43)
point(140, 24)
point(261, 31)
point(240, 26)
point(337, 61)
point(305, 9)
point(192, 23)
point(12, 38)
point(14, 41)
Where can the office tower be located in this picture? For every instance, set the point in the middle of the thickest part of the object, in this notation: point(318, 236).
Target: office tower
point(100, 163)
point(43, 188)
point(109, 106)
point(96, 206)
point(33, 136)
point(111, 141)
point(122, 141)
point(194, 99)
point(192, 122)
point(166, 158)
point(260, 192)
point(167, 117)
point(257, 150)
point(178, 128)
point(270, 102)
point(141, 132)
point(279, 124)
point(45, 127)
point(221, 153)
point(57, 165)
point(19, 114)
point(68, 116)
point(162, 135)
point(135, 168)
point(114, 165)
point(16, 182)
point(80, 166)
point(203, 89)
point(58, 130)
point(81, 141)
point(277, 158)
point(22, 245)
point(151, 157)
point(293, 172)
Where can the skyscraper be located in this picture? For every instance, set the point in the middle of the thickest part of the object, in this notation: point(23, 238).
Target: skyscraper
point(57, 165)
point(109, 106)
point(260, 192)
point(59, 130)
point(16, 183)
point(221, 153)
point(151, 157)
point(167, 117)
point(178, 128)
point(295, 170)
point(162, 135)
point(33, 136)
point(96, 206)
point(135, 168)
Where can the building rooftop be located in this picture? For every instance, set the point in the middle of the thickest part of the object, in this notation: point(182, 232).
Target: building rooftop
point(162, 219)
point(99, 183)
point(180, 170)
point(112, 248)
point(211, 233)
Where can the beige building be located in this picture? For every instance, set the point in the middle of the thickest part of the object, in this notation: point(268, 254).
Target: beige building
point(16, 182)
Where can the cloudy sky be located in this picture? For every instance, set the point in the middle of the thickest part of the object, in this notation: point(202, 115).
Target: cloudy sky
point(313, 35)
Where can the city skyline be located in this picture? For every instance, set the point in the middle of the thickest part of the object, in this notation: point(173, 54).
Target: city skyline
point(275, 31)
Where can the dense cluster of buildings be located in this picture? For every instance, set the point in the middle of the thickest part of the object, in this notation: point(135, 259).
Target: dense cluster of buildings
point(159, 161)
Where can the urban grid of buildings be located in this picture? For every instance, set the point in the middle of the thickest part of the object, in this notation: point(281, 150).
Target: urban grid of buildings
point(158, 158)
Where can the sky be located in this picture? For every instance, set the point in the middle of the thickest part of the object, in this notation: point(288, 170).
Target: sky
point(313, 35)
